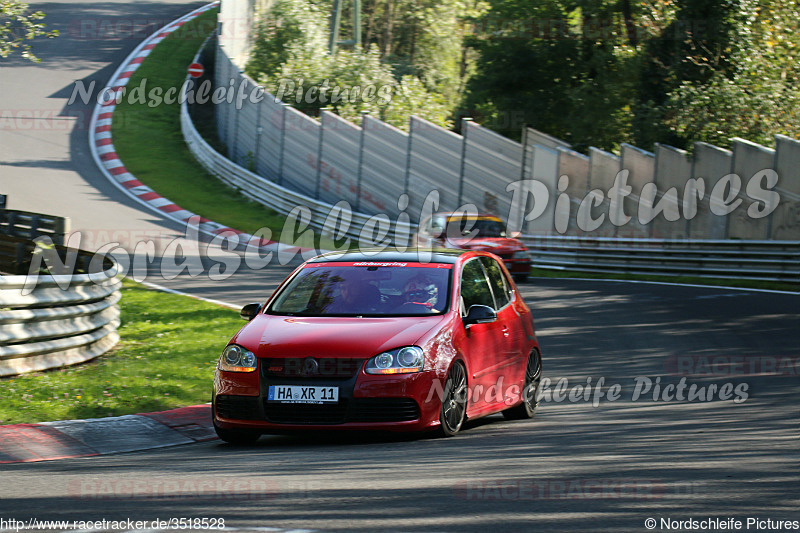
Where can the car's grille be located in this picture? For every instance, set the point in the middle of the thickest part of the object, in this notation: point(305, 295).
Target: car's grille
point(307, 367)
point(384, 410)
point(294, 413)
point(357, 410)
point(238, 407)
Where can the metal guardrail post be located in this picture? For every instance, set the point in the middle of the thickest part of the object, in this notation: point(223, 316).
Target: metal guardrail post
point(359, 172)
point(407, 177)
point(319, 151)
point(282, 144)
point(464, 127)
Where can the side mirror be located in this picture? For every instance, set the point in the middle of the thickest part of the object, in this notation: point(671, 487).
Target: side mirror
point(249, 311)
point(480, 314)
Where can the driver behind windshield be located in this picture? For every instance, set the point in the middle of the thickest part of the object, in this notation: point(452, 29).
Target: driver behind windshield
point(420, 291)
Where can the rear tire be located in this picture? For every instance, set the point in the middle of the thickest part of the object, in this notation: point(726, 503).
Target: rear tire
point(533, 374)
point(237, 436)
point(454, 401)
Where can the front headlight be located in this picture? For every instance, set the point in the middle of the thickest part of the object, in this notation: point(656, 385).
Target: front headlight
point(404, 360)
point(234, 358)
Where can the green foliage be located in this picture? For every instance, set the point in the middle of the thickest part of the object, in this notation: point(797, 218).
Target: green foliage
point(17, 26)
point(420, 75)
point(602, 73)
point(563, 69)
point(756, 95)
point(288, 24)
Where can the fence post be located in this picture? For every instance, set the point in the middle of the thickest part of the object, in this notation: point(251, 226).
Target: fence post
point(464, 125)
point(319, 150)
point(523, 162)
point(360, 159)
point(259, 132)
point(408, 154)
point(282, 144)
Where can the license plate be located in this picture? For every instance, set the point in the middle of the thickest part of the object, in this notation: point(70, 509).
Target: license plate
point(303, 394)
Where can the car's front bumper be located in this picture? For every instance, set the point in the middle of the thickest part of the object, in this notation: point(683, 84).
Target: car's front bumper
point(404, 402)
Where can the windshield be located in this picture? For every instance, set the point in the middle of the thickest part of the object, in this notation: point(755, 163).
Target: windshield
point(365, 289)
point(480, 227)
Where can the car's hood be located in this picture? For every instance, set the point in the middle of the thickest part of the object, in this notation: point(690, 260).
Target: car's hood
point(281, 336)
point(488, 244)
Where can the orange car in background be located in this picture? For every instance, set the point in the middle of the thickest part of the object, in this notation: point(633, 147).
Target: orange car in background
point(483, 232)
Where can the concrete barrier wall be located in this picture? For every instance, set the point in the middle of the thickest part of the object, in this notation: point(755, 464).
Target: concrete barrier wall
point(379, 169)
point(672, 165)
point(710, 163)
point(300, 152)
point(269, 135)
point(545, 170)
point(434, 164)
point(749, 159)
point(338, 169)
point(384, 164)
point(536, 137)
point(786, 219)
point(490, 163)
point(641, 166)
point(603, 169)
point(573, 169)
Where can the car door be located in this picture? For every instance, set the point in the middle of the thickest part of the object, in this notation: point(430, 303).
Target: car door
point(483, 342)
point(511, 359)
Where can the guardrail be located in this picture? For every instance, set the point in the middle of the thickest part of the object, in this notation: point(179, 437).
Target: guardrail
point(726, 259)
point(63, 320)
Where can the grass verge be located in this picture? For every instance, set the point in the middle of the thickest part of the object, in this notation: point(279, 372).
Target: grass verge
point(148, 139)
point(166, 358)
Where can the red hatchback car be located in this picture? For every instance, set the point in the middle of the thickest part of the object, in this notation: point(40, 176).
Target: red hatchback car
point(400, 341)
point(476, 232)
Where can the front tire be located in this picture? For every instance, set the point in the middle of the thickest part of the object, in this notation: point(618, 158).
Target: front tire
point(533, 374)
point(454, 401)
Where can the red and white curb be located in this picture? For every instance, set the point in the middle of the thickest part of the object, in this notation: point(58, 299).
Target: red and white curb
point(46, 441)
point(109, 163)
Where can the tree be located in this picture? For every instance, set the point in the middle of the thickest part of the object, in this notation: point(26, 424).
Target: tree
point(693, 48)
point(755, 94)
point(565, 67)
point(291, 51)
point(18, 26)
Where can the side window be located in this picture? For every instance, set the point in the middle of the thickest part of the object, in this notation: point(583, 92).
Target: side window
point(502, 292)
point(475, 288)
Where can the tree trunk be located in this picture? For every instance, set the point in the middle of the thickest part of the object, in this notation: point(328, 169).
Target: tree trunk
point(388, 30)
point(630, 24)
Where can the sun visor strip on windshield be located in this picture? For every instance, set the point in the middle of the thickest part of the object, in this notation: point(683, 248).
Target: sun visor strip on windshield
point(445, 266)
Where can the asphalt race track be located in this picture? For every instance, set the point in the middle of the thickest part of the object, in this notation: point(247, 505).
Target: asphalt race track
point(604, 460)
point(574, 467)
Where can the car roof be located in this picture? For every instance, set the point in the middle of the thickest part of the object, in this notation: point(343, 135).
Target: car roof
point(427, 255)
